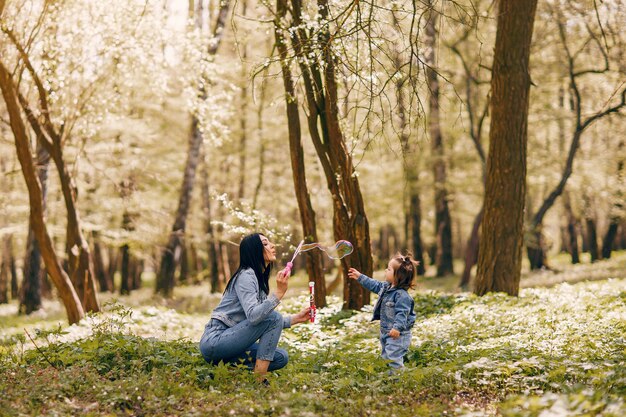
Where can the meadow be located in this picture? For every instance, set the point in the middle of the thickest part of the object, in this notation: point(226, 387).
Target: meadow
point(557, 349)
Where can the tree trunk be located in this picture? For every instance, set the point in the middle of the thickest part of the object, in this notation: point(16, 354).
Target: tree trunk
point(349, 218)
point(592, 239)
point(411, 168)
point(307, 214)
point(443, 223)
point(572, 235)
point(211, 240)
point(78, 254)
point(609, 239)
point(183, 277)
point(104, 280)
point(171, 253)
point(471, 252)
point(5, 269)
point(617, 209)
point(113, 266)
point(61, 280)
point(30, 293)
point(500, 248)
point(125, 283)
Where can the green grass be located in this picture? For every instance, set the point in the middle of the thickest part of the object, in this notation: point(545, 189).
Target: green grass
point(557, 350)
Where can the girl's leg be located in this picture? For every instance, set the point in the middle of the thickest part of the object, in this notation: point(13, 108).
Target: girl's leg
point(395, 349)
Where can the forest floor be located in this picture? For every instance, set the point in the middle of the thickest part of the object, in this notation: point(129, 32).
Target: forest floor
point(557, 349)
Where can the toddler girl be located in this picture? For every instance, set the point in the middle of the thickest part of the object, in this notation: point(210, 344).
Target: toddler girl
point(394, 307)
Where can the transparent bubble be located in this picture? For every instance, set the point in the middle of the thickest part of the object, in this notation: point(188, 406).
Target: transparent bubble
point(339, 250)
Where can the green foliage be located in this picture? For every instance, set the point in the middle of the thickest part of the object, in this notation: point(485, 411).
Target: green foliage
point(557, 351)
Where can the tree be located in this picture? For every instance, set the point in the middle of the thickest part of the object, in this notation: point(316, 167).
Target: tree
point(535, 249)
point(314, 52)
point(443, 223)
point(500, 250)
point(410, 164)
point(61, 280)
point(307, 214)
point(171, 254)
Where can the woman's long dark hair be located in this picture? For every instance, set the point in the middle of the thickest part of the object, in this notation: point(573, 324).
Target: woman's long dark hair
point(251, 256)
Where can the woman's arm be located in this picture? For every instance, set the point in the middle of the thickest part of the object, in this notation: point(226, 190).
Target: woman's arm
point(247, 289)
point(302, 317)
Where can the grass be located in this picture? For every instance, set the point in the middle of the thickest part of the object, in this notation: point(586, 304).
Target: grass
point(557, 349)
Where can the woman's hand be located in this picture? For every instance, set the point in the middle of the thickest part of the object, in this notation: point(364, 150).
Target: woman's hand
point(303, 316)
point(282, 282)
point(353, 273)
point(394, 333)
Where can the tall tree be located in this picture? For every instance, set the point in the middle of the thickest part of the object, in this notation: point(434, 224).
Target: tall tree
point(573, 56)
point(307, 214)
point(53, 138)
point(443, 223)
point(61, 280)
point(410, 163)
point(617, 209)
point(500, 250)
point(314, 53)
point(477, 113)
point(170, 257)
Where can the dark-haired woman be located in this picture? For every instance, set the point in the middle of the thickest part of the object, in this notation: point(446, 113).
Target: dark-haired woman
point(245, 328)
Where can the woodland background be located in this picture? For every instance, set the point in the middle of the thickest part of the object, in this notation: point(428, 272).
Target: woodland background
point(162, 131)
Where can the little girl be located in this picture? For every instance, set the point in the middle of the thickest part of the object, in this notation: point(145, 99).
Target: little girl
point(394, 307)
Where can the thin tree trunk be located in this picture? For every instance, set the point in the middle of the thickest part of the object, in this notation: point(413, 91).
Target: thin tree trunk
point(443, 223)
point(413, 216)
point(243, 113)
point(471, 252)
point(618, 206)
point(80, 263)
point(500, 250)
point(572, 242)
point(99, 268)
point(349, 219)
point(113, 266)
point(171, 253)
point(62, 282)
point(307, 214)
point(5, 268)
point(30, 293)
point(538, 254)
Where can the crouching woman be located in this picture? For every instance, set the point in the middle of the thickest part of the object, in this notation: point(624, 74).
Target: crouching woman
point(244, 327)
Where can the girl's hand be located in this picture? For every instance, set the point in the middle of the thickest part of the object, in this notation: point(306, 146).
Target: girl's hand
point(282, 282)
point(394, 333)
point(353, 273)
point(301, 317)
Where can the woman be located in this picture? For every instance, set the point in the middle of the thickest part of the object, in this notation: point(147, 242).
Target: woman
point(244, 327)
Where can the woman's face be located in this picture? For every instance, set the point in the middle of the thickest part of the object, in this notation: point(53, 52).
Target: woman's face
point(269, 250)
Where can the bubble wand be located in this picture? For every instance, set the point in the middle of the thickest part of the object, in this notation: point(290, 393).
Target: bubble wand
point(290, 263)
point(312, 301)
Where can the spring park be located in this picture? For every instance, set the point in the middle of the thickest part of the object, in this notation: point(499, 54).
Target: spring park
point(312, 208)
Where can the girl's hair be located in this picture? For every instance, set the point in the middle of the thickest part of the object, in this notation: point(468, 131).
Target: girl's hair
point(405, 271)
point(251, 256)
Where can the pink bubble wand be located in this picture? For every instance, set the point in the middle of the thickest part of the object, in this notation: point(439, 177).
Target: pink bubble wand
point(289, 265)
